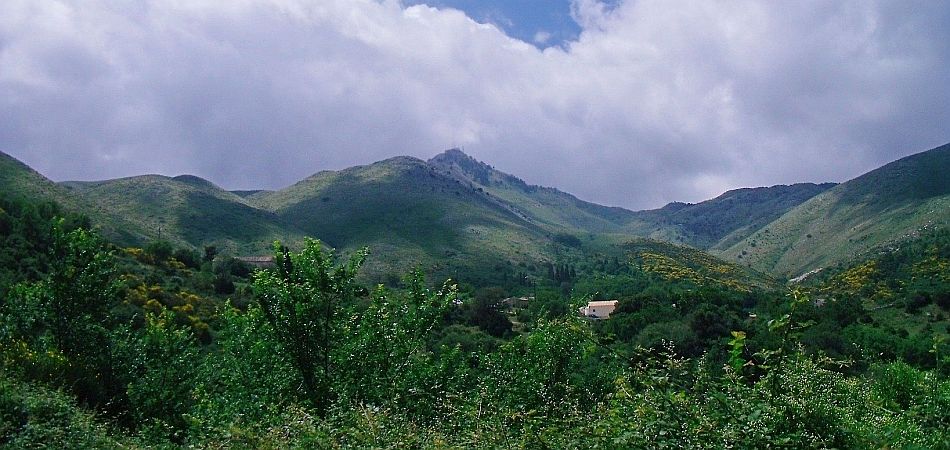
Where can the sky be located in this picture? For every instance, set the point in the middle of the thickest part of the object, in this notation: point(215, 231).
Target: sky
point(632, 103)
point(543, 23)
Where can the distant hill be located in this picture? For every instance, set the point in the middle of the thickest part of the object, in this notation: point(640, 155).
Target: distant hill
point(541, 205)
point(408, 212)
point(721, 222)
point(888, 204)
point(714, 223)
point(18, 179)
point(188, 211)
point(454, 214)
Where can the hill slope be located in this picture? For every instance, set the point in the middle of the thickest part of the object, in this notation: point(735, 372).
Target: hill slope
point(188, 211)
point(542, 205)
point(681, 264)
point(714, 223)
point(721, 222)
point(408, 212)
point(884, 205)
point(18, 179)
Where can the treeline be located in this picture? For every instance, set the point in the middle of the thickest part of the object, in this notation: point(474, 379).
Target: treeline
point(102, 347)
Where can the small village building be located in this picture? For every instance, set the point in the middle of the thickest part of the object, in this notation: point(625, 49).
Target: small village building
point(260, 262)
point(599, 309)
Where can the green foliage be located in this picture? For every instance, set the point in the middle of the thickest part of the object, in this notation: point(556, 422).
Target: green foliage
point(210, 252)
point(395, 367)
point(159, 365)
point(736, 350)
point(885, 305)
point(397, 378)
point(159, 251)
point(223, 284)
point(245, 386)
point(26, 238)
point(484, 310)
point(679, 264)
point(540, 375)
point(304, 299)
point(67, 313)
point(567, 239)
point(35, 416)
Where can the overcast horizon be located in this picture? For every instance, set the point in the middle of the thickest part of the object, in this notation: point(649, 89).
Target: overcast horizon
point(623, 103)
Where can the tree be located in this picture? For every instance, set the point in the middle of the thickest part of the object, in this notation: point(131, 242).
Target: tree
point(160, 363)
point(82, 287)
point(484, 312)
point(159, 251)
point(303, 298)
point(393, 365)
point(67, 313)
point(210, 252)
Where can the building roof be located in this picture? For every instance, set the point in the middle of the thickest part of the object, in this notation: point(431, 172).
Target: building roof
point(603, 303)
point(255, 258)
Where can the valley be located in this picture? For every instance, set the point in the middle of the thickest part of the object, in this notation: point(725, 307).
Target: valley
point(437, 286)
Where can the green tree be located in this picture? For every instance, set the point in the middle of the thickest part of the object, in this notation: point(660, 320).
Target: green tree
point(210, 252)
point(82, 287)
point(68, 313)
point(159, 251)
point(248, 381)
point(304, 298)
point(394, 365)
point(160, 364)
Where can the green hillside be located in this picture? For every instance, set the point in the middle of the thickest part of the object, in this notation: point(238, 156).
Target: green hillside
point(729, 218)
point(408, 212)
point(454, 214)
point(542, 205)
point(681, 264)
point(884, 205)
point(187, 211)
point(19, 180)
point(715, 223)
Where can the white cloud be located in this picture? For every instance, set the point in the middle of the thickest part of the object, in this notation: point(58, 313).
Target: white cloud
point(656, 100)
point(541, 37)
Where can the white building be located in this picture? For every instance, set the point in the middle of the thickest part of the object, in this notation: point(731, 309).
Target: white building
point(599, 310)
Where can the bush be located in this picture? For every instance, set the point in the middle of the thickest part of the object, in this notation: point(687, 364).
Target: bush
point(159, 251)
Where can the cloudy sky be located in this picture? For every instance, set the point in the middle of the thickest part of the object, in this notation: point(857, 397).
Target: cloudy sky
point(629, 103)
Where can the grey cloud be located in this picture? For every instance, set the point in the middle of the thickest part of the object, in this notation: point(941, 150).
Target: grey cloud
point(656, 101)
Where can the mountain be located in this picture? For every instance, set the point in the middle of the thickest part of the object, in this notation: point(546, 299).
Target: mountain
point(715, 223)
point(16, 178)
point(187, 211)
point(454, 214)
point(19, 179)
point(409, 212)
point(885, 205)
point(540, 205)
point(721, 222)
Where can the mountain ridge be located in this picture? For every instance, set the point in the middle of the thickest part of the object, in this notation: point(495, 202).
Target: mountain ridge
point(883, 205)
point(455, 206)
